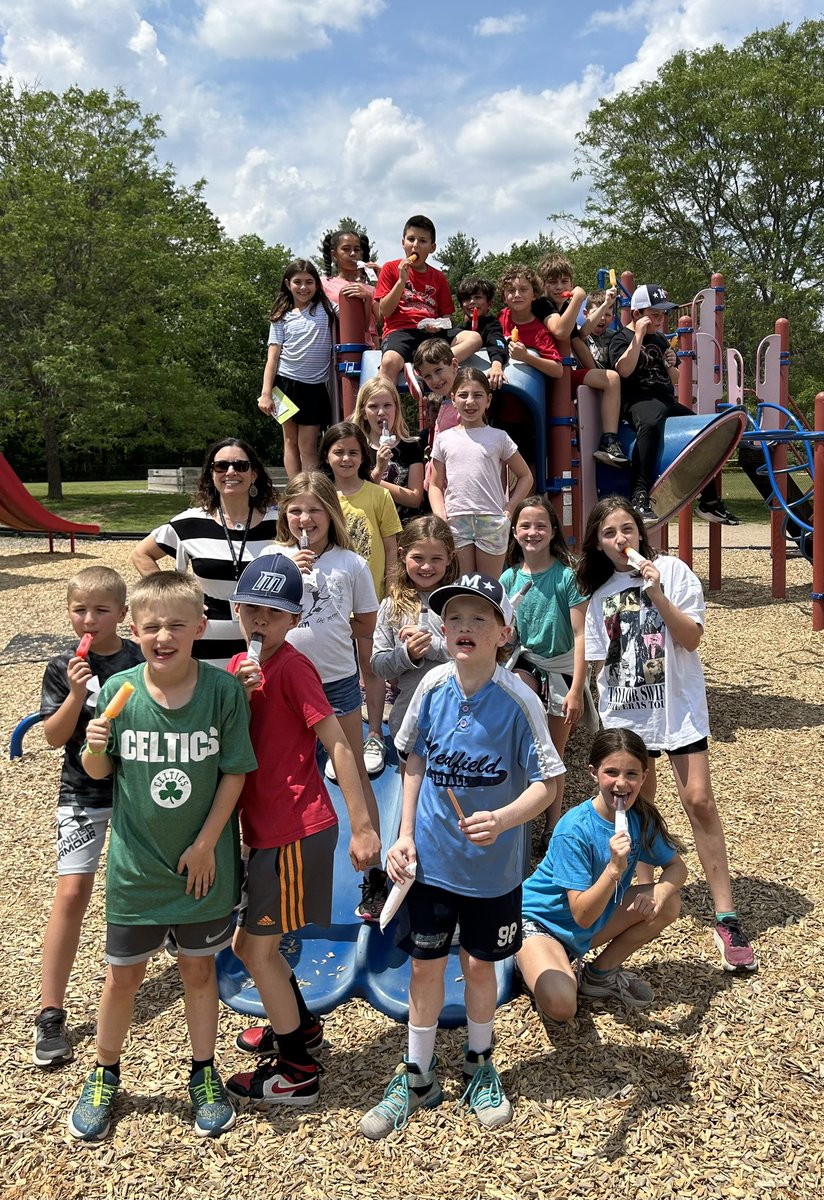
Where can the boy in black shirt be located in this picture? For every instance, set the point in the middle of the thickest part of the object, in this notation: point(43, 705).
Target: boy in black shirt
point(96, 600)
point(648, 367)
point(475, 296)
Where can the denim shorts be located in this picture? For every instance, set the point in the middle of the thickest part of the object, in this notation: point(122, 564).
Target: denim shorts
point(344, 695)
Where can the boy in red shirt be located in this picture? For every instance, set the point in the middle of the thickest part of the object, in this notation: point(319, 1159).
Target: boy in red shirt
point(415, 303)
point(288, 821)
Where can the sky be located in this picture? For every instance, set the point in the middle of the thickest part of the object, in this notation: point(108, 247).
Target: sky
point(299, 112)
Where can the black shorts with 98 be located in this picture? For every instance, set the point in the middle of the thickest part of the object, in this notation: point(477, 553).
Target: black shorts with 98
point(490, 926)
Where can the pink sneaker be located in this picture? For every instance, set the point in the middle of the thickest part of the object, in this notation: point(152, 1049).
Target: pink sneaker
point(734, 946)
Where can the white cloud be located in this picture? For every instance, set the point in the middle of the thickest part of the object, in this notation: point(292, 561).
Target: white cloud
point(144, 43)
point(278, 29)
point(500, 26)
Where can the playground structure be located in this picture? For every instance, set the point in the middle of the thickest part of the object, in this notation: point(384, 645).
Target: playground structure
point(693, 450)
point(19, 510)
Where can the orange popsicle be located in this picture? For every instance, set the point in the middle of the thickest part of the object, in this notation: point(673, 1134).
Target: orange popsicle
point(514, 336)
point(118, 701)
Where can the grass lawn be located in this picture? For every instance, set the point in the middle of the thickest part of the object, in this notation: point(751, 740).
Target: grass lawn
point(124, 506)
point(118, 506)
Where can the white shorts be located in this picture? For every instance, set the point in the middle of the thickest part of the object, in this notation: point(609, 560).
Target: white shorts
point(81, 836)
point(489, 533)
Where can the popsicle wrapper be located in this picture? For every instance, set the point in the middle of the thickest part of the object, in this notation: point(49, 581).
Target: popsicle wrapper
point(397, 895)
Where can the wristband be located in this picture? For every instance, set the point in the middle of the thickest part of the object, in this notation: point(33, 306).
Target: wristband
point(614, 878)
point(94, 753)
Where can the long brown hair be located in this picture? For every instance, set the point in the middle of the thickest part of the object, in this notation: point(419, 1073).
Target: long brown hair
point(613, 741)
point(207, 496)
point(284, 301)
point(557, 544)
point(404, 601)
point(594, 567)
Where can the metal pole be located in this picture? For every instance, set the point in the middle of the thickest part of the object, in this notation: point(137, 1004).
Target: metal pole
point(686, 362)
point(818, 518)
point(717, 282)
point(778, 542)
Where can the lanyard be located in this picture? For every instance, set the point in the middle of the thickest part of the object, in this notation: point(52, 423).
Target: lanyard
point(237, 561)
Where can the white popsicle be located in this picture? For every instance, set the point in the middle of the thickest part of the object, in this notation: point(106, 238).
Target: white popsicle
point(396, 897)
point(635, 559)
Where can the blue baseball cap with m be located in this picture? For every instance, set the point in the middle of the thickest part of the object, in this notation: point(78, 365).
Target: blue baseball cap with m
point(272, 580)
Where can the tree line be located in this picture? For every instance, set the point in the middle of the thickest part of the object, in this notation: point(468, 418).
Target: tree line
point(134, 327)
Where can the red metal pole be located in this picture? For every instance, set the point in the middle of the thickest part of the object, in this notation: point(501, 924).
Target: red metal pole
point(686, 366)
point(717, 282)
point(818, 518)
point(562, 413)
point(352, 321)
point(628, 280)
point(778, 542)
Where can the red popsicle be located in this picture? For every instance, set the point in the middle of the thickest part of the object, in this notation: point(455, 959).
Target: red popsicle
point(84, 645)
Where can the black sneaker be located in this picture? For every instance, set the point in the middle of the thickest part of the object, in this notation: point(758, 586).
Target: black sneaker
point(51, 1046)
point(643, 506)
point(717, 511)
point(610, 452)
point(261, 1040)
point(374, 891)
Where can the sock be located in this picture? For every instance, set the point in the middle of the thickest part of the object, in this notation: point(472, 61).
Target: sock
point(292, 1047)
point(305, 1016)
point(114, 1068)
point(199, 1064)
point(719, 916)
point(593, 970)
point(422, 1045)
point(479, 1035)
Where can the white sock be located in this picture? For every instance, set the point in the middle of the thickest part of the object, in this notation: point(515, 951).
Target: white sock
point(422, 1045)
point(479, 1035)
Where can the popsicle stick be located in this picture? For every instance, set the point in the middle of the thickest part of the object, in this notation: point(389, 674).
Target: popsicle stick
point(455, 804)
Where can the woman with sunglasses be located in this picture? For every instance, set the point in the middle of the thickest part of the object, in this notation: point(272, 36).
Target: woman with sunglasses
point(232, 520)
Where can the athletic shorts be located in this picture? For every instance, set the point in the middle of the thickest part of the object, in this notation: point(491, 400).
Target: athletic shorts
point(552, 696)
point(490, 926)
point(312, 399)
point(530, 927)
point(344, 695)
point(489, 533)
point(81, 837)
point(406, 341)
point(290, 886)
point(127, 944)
point(693, 748)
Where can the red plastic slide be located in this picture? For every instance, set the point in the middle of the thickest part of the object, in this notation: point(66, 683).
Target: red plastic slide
point(20, 510)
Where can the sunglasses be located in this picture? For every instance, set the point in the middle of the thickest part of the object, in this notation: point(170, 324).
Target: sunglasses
point(240, 464)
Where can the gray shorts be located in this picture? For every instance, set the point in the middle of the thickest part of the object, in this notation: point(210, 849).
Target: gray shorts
point(530, 927)
point(128, 944)
point(289, 886)
point(81, 836)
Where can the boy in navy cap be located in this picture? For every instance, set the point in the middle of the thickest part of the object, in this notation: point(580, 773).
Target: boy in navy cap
point(289, 824)
point(477, 740)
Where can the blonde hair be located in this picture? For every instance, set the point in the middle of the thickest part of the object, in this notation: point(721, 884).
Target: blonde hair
point(373, 387)
point(97, 579)
point(313, 483)
point(404, 600)
point(167, 587)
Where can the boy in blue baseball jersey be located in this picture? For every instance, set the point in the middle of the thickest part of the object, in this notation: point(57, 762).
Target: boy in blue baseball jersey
point(478, 740)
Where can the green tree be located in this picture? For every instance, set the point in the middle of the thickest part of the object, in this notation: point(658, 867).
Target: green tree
point(100, 252)
point(459, 257)
point(718, 165)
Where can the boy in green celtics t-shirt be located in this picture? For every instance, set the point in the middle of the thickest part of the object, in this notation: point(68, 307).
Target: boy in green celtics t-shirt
point(178, 753)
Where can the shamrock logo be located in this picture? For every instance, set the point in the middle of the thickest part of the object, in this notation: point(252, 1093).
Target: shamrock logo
point(170, 792)
point(170, 788)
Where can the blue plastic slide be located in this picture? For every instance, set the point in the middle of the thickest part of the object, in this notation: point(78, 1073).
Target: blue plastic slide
point(352, 958)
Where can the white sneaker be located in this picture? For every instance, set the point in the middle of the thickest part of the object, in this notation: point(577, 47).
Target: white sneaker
point(329, 771)
point(374, 755)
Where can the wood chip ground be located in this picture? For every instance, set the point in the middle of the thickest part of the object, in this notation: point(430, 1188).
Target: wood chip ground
point(717, 1091)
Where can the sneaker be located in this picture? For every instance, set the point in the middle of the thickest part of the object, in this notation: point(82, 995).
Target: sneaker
point(170, 945)
point(213, 1112)
point(261, 1040)
point(329, 771)
point(630, 989)
point(484, 1095)
point(413, 382)
point(610, 452)
point(91, 1116)
point(717, 511)
point(736, 952)
point(374, 892)
point(374, 754)
point(275, 1081)
point(51, 1046)
point(643, 506)
point(409, 1088)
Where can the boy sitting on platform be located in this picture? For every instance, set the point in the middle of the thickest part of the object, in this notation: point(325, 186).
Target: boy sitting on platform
point(475, 296)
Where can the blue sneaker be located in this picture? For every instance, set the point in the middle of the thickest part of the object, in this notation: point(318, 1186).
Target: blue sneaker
point(213, 1112)
point(409, 1088)
point(484, 1095)
point(91, 1117)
